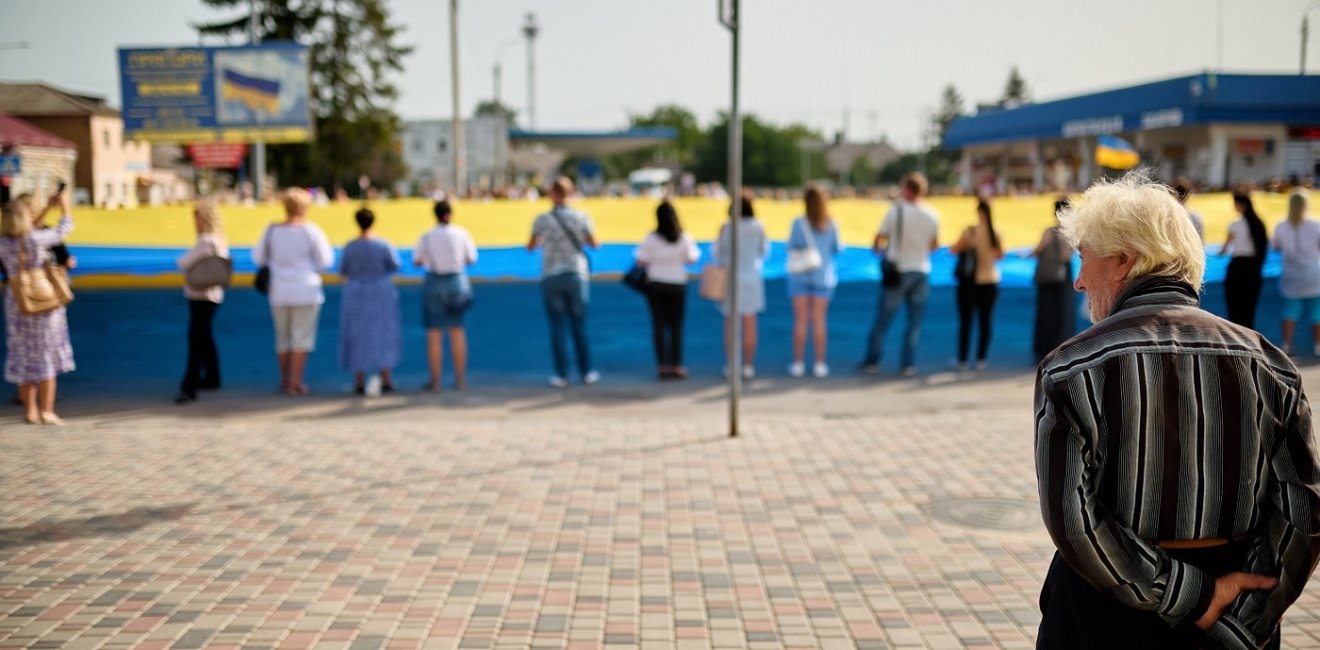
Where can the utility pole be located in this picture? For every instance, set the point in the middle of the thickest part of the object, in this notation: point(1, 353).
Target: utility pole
point(730, 17)
point(530, 30)
point(258, 147)
point(460, 175)
point(1306, 32)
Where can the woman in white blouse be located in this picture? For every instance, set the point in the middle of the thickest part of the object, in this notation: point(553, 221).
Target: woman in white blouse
point(296, 252)
point(666, 253)
point(203, 369)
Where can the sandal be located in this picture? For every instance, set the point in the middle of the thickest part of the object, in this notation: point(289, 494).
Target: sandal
point(51, 419)
point(431, 387)
point(32, 419)
point(299, 390)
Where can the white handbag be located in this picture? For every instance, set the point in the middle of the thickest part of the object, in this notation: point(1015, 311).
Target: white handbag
point(805, 260)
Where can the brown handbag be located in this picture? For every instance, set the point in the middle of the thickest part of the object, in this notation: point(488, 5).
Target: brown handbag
point(40, 289)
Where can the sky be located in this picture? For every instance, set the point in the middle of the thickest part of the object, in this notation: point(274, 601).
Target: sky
point(869, 68)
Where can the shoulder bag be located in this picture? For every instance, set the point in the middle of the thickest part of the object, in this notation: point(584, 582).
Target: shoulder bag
point(210, 271)
point(889, 274)
point(40, 289)
point(262, 280)
point(808, 259)
point(964, 270)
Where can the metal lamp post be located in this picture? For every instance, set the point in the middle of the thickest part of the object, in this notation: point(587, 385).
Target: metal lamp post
point(1305, 32)
point(729, 16)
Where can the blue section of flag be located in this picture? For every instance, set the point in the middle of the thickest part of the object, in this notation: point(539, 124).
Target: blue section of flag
point(255, 84)
point(1115, 153)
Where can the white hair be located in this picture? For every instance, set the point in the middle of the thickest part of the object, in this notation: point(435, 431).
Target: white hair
point(1135, 215)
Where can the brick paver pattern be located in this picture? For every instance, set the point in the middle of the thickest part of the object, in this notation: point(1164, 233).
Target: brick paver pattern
point(421, 527)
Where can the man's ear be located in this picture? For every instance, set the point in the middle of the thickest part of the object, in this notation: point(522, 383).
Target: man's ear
point(1127, 260)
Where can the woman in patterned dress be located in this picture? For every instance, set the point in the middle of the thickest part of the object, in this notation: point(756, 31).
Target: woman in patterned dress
point(37, 345)
point(370, 336)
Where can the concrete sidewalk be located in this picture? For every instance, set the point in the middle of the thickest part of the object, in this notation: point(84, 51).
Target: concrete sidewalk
point(851, 513)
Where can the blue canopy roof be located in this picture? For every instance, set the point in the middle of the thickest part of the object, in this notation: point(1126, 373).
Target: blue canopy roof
point(1196, 99)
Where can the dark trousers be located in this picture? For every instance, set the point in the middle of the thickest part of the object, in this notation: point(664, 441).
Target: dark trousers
point(973, 300)
point(203, 369)
point(1242, 290)
point(1075, 616)
point(668, 303)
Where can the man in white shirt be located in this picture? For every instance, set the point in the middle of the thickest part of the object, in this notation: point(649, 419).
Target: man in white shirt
point(563, 234)
point(907, 237)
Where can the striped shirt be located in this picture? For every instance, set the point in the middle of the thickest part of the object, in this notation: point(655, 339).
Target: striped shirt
point(1165, 422)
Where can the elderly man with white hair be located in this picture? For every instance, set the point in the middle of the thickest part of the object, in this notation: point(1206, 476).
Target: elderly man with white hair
point(1177, 472)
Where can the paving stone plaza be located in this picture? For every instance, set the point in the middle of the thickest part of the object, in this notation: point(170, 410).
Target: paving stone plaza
point(851, 513)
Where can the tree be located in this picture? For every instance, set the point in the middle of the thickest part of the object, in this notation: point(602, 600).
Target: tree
point(771, 156)
point(353, 54)
point(862, 172)
point(679, 153)
point(1015, 90)
point(951, 106)
point(493, 108)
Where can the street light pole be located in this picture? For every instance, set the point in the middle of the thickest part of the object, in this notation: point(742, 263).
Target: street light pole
point(530, 30)
point(1306, 32)
point(460, 177)
point(258, 147)
point(730, 17)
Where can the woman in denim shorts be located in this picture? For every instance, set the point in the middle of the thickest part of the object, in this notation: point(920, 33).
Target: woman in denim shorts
point(445, 252)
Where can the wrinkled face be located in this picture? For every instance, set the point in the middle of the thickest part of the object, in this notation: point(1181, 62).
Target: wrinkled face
point(1102, 278)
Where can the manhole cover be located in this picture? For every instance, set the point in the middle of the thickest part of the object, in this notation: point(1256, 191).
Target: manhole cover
point(994, 514)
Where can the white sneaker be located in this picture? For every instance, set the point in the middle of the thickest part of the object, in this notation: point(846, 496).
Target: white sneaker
point(796, 369)
point(591, 377)
point(820, 370)
point(749, 372)
point(981, 365)
point(558, 382)
point(960, 366)
point(373, 386)
point(910, 371)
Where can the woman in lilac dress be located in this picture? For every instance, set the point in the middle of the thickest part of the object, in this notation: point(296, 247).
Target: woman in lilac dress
point(370, 336)
point(37, 345)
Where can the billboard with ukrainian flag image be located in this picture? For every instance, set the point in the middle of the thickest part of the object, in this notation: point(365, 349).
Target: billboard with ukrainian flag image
point(216, 94)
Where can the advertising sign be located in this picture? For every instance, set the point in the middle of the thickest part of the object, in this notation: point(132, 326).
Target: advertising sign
point(217, 155)
point(216, 94)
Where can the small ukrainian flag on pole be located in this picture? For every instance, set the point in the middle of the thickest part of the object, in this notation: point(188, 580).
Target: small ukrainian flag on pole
point(1115, 153)
point(254, 92)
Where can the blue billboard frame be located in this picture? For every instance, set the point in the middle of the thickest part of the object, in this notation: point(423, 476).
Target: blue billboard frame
point(245, 93)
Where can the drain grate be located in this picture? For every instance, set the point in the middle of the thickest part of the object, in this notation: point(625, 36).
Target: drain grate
point(986, 513)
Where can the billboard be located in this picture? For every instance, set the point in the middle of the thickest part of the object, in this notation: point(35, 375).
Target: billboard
point(216, 94)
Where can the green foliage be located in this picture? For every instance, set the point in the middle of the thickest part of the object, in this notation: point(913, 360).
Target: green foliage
point(771, 155)
point(951, 106)
point(353, 55)
point(894, 170)
point(492, 108)
point(862, 172)
point(1015, 90)
point(679, 153)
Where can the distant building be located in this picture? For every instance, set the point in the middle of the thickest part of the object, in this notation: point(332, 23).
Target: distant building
point(110, 171)
point(427, 148)
point(1218, 129)
point(45, 159)
point(840, 157)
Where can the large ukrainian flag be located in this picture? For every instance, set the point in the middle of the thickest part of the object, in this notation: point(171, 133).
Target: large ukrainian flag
point(256, 93)
point(1115, 153)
